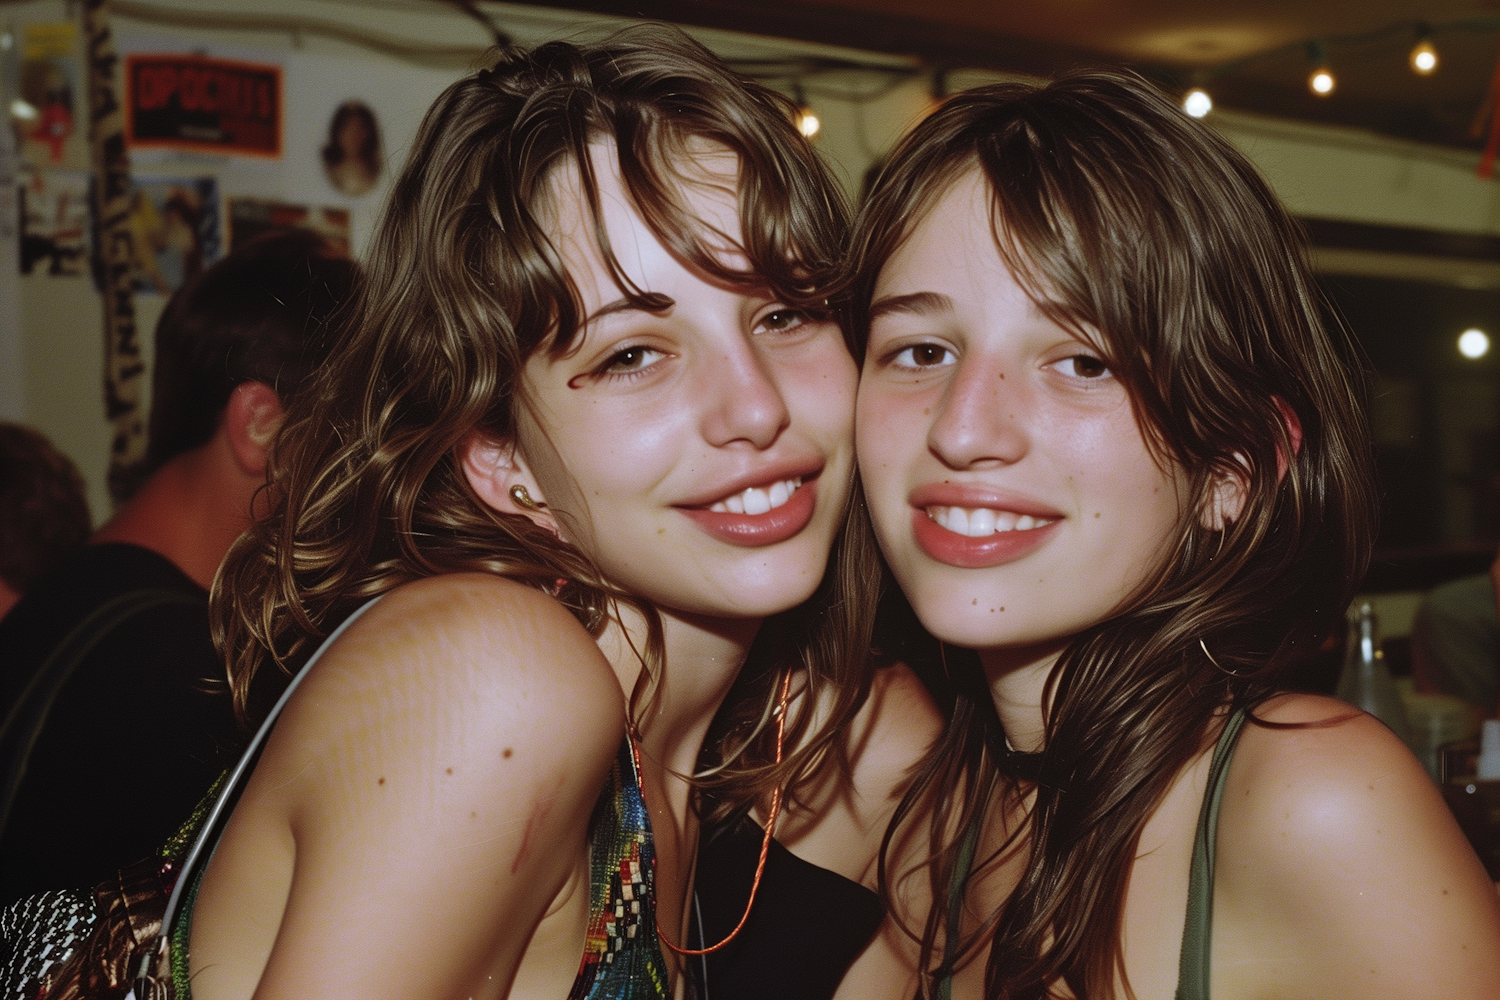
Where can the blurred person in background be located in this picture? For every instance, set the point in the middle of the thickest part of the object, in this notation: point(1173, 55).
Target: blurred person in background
point(117, 715)
point(1456, 640)
point(43, 512)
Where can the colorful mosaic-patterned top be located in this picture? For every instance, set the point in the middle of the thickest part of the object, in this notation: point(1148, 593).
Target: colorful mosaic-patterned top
point(622, 958)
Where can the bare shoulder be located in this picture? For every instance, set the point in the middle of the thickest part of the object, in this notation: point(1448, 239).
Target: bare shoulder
point(463, 719)
point(450, 665)
point(892, 733)
point(1337, 852)
point(1322, 779)
point(484, 632)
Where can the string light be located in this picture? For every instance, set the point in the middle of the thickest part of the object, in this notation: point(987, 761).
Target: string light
point(1424, 57)
point(1321, 82)
point(1473, 343)
point(1197, 102)
point(807, 122)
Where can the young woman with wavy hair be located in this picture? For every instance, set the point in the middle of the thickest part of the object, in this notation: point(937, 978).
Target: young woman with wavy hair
point(1118, 463)
point(588, 430)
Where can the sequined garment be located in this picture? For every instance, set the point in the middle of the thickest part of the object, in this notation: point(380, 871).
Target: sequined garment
point(622, 958)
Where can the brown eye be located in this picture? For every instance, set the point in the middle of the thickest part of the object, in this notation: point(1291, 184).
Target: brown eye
point(630, 360)
point(923, 356)
point(1085, 366)
point(782, 320)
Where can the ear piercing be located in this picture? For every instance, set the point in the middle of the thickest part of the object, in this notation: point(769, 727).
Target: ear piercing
point(523, 499)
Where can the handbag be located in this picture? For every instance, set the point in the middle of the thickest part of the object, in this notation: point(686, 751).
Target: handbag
point(123, 940)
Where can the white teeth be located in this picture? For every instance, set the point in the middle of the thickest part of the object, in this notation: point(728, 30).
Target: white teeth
point(981, 522)
point(758, 500)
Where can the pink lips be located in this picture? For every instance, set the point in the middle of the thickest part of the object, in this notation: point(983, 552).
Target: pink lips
point(964, 551)
point(756, 530)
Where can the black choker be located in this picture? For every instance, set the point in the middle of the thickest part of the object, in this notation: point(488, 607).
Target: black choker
point(1018, 764)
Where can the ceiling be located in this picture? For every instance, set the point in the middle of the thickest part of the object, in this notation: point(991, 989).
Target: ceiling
point(1251, 55)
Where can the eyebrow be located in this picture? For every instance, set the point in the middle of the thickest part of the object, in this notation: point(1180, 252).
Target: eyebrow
point(624, 305)
point(920, 303)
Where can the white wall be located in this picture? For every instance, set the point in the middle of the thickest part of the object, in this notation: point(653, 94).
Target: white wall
point(50, 328)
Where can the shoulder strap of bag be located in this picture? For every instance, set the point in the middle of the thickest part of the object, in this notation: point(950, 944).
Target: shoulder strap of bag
point(202, 847)
point(28, 714)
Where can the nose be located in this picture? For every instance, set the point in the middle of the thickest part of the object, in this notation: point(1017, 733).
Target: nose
point(743, 400)
point(977, 423)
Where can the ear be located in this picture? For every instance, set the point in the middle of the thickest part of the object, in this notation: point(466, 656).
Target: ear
point(492, 466)
point(1293, 432)
point(1230, 490)
point(251, 421)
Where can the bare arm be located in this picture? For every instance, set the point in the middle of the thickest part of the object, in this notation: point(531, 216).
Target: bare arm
point(1341, 871)
point(422, 802)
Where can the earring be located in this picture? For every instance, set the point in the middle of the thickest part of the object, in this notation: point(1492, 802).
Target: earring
point(523, 499)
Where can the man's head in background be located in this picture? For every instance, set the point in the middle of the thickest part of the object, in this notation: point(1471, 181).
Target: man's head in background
point(44, 514)
point(258, 315)
point(232, 345)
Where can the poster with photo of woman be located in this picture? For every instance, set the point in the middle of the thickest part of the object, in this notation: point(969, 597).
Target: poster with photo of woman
point(352, 157)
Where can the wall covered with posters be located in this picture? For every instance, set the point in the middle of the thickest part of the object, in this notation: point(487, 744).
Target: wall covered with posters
point(249, 114)
point(229, 134)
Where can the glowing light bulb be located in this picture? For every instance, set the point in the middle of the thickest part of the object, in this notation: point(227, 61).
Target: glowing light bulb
point(1424, 58)
point(1321, 82)
point(807, 122)
point(1197, 102)
point(24, 110)
point(1473, 343)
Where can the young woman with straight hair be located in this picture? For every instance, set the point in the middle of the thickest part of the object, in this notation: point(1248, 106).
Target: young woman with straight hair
point(588, 432)
point(1119, 465)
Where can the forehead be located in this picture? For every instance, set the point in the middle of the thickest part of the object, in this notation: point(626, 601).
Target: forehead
point(702, 180)
point(952, 236)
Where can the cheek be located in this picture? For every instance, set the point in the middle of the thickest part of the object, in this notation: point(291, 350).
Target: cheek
point(820, 391)
point(1131, 505)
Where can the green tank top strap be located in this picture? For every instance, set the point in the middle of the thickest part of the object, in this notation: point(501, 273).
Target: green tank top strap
point(1197, 933)
point(942, 987)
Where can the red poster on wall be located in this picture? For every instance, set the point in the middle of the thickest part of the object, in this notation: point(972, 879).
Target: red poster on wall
point(203, 104)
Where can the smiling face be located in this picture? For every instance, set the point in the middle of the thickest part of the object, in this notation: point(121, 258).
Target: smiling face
point(1012, 491)
point(701, 455)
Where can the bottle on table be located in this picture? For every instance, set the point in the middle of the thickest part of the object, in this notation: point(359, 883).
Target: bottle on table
point(1366, 681)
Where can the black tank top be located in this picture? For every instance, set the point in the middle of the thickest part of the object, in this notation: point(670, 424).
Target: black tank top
point(807, 927)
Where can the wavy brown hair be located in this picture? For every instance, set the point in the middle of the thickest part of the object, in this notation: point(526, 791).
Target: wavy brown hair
point(1152, 238)
point(464, 282)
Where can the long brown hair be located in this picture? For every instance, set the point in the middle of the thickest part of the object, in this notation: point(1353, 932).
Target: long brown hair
point(463, 283)
point(1147, 234)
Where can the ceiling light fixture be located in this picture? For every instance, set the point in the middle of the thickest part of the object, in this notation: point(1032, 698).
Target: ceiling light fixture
point(1424, 57)
point(1197, 102)
point(937, 92)
point(1473, 343)
point(807, 122)
point(1321, 82)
